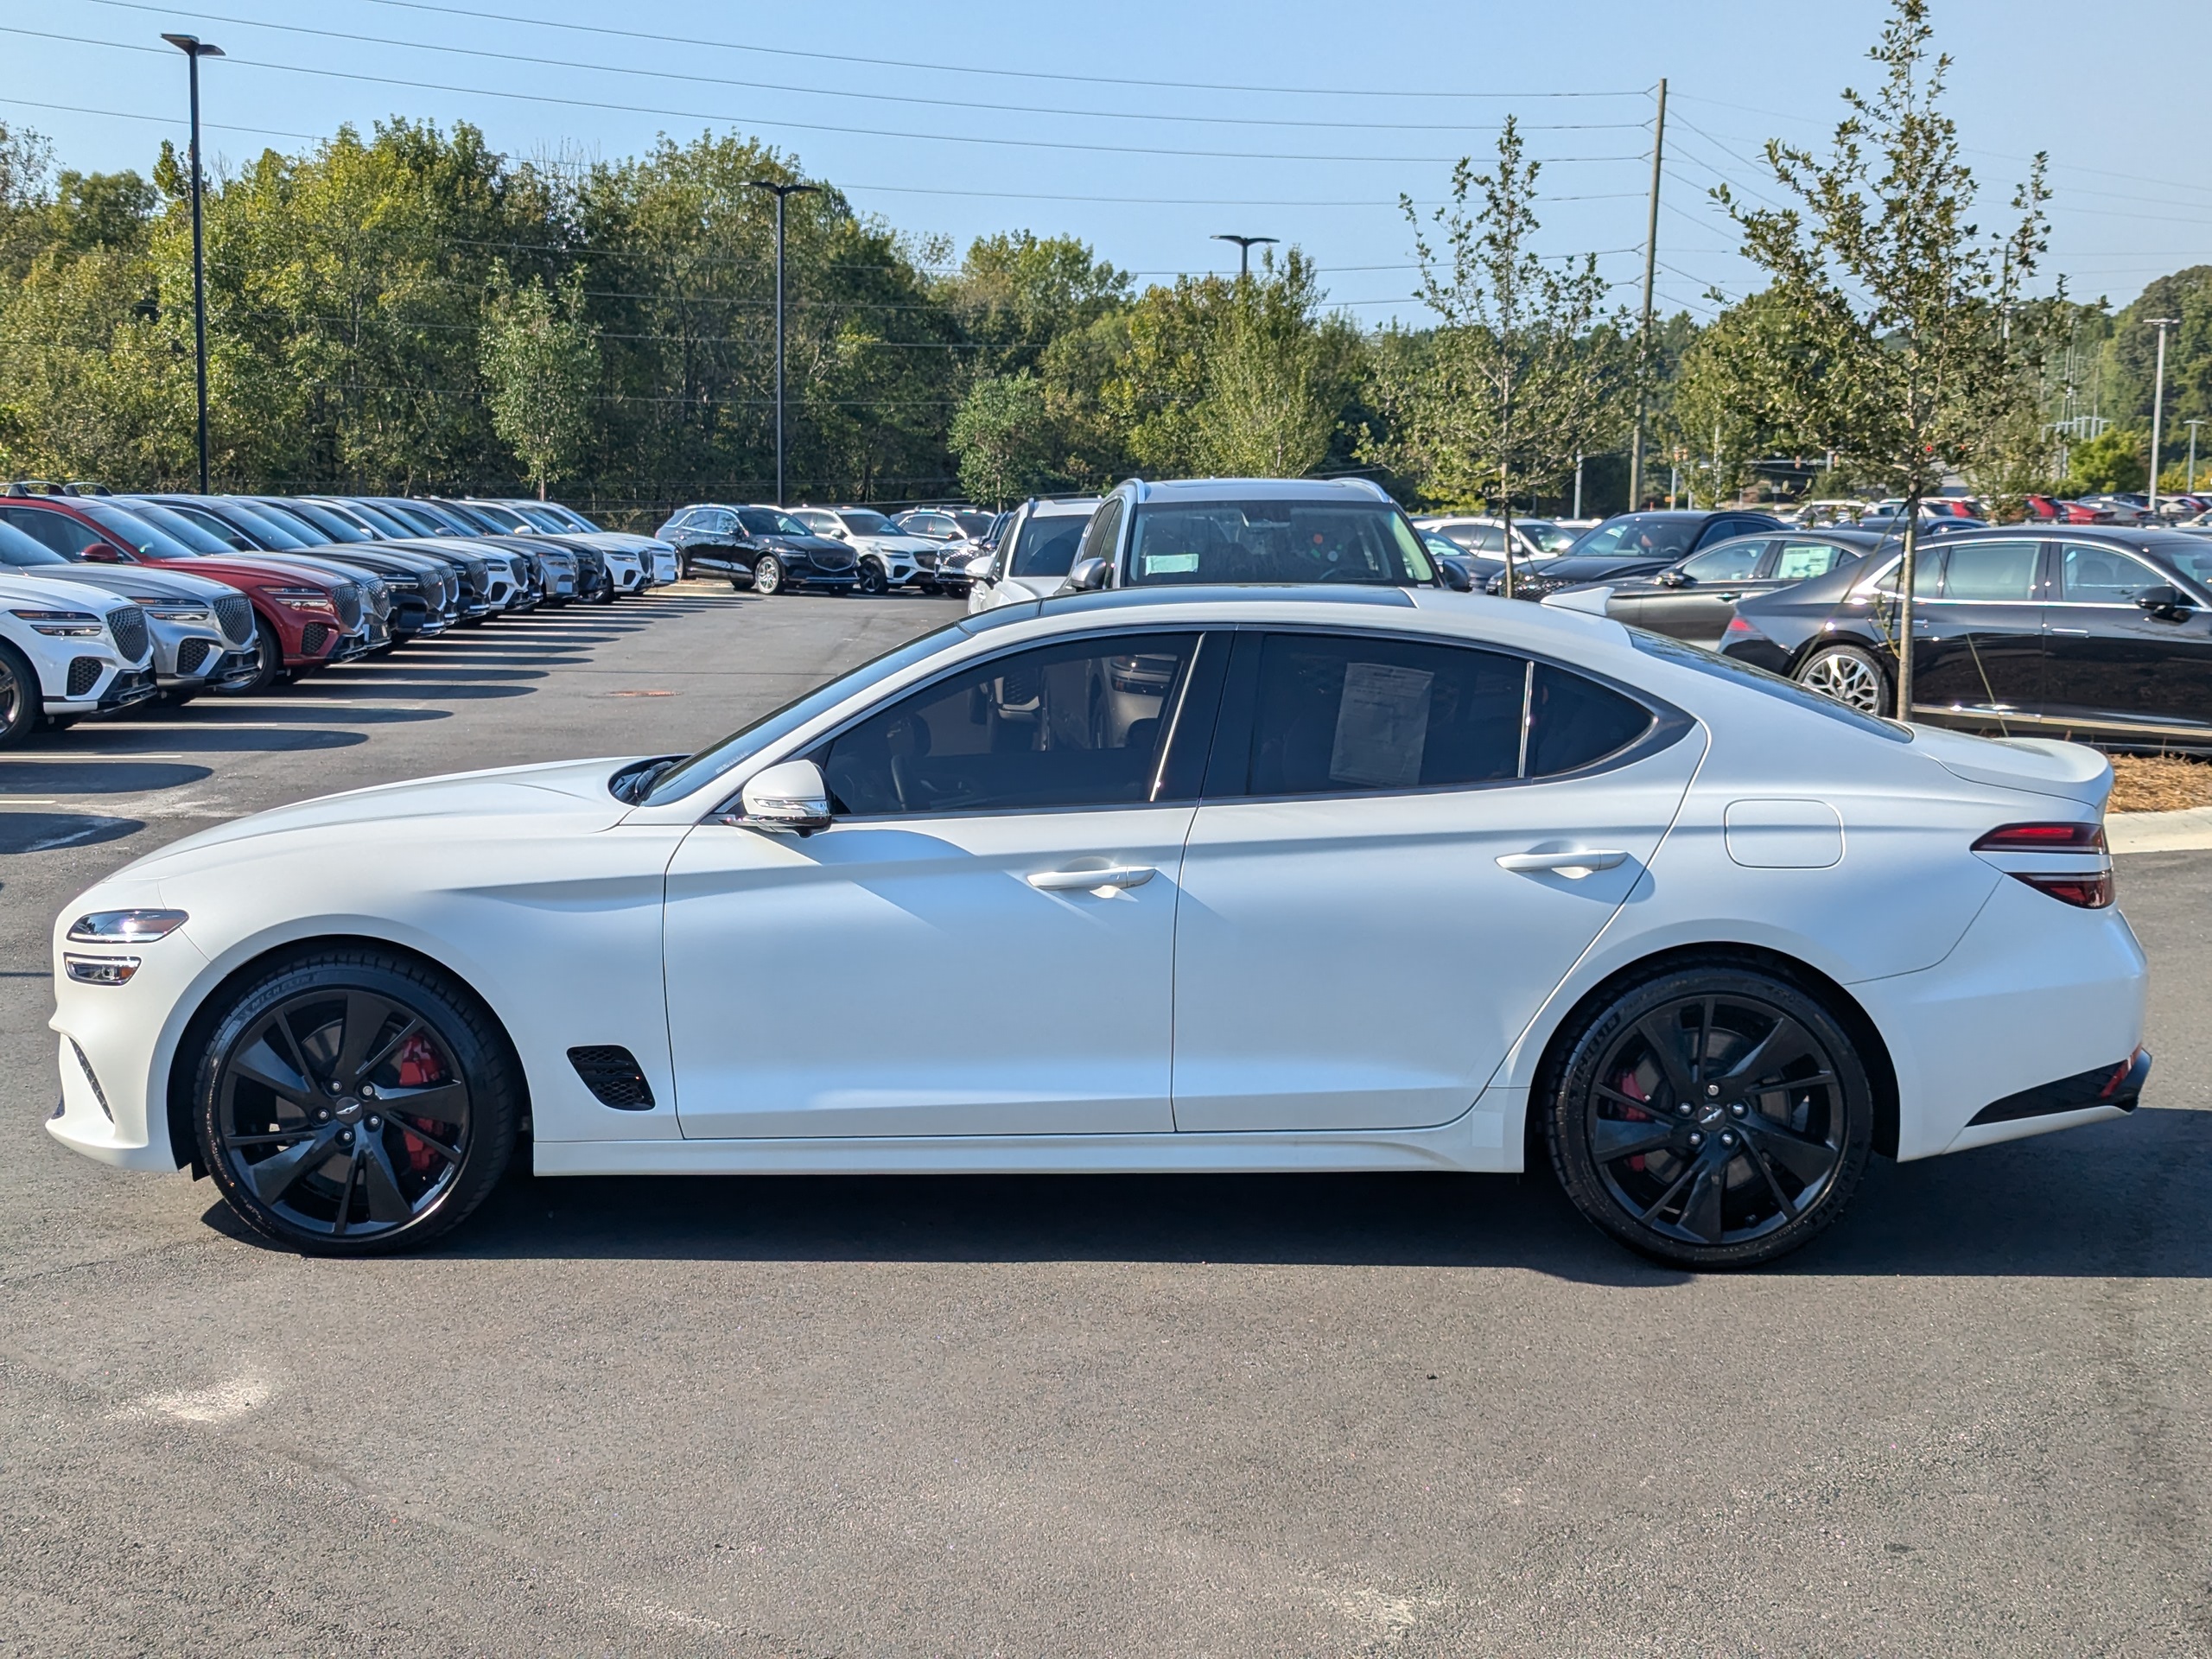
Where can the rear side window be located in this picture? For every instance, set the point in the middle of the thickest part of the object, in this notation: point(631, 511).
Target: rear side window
point(1344, 713)
point(1991, 570)
point(1802, 560)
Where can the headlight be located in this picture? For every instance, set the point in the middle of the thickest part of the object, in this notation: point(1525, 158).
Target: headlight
point(125, 926)
point(74, 623)
point(178, 612)
point(302, 599)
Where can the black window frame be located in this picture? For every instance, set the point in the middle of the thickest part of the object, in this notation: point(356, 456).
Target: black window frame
point(1229, 766)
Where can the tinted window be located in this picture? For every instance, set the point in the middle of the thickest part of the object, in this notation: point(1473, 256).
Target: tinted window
point(1105, 525)
point(1641, 535)
point(1575, 722)
point(1077, 723)
point(1478, 538)
point(1802, 560)
point(16, 547)
point(863, 522)
point(1275, 542)
point(1927, 574)
point(759, 521)
point(1047, 547)
point(1335, 715)
point(190, 531)
point(2102, 575)
point(57, 530)
point(1733, 562)
point(1991, 570)
point(134, 531)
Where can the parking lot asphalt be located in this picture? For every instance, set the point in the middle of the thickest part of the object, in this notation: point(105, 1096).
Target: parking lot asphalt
point(1117, 1415)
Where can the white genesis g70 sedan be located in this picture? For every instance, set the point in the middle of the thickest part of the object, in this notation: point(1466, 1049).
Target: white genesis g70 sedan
point(1372, 879)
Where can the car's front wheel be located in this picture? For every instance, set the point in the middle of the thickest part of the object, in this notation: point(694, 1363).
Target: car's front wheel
point(874, 581)
point(1710, 1115)
point(769, 574)
point(267, 661)
point(353, 1101)
point(1852, 674)
point(20, 697)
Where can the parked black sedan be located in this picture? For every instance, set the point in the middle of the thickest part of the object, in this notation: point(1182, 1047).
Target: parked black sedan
point(763, 548)
point(2102, 633)
point(1692, 599)
point(1631, 545)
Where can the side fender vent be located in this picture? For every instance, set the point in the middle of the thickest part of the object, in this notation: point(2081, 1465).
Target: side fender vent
point(614, 1077)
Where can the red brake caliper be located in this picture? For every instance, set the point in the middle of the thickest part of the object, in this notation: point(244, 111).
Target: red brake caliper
point(418, 1068)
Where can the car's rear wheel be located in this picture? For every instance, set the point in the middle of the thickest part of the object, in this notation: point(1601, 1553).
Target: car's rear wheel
point(769, 574)
point(19, 697)
point(1713, 1116)
point(349, 1101)
point(1852, 674)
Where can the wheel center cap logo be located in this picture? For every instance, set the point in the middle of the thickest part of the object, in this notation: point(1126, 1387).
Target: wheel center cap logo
point(348, 1109)
point(1710, 1115)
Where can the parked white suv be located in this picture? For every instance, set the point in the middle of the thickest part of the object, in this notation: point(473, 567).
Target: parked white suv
point(889, 556)
point(67, 650)
point(1035, 553)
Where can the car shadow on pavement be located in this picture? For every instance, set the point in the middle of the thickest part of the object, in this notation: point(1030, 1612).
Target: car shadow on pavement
point(95, 776)
point(44, 832)
point(229, 739)
point(2118, 1199)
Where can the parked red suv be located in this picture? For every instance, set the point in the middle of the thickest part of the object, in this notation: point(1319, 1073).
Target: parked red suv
point(300, 615)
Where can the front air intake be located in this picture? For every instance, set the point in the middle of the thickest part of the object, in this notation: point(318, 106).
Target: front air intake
point(614, 1077)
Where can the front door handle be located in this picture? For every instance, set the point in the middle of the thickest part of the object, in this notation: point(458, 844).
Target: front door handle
point(1091, 880)
point(2083, 632)
point(1574, 865)
point(1728, 599)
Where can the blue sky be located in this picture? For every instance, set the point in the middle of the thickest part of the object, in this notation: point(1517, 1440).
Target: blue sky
point(1304, 121)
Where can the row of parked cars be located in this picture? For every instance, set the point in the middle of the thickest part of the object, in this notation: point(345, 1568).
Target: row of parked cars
point(768, 550)
point(111, 600)
point(2098, 631)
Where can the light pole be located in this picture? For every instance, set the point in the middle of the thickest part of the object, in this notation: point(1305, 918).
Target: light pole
point(2158, 402)
point(1245, 250)
point(194, 49)
point(2192, 426)
point(780, 191)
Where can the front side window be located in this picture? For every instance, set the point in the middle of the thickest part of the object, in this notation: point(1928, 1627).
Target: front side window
point(1991, 571)
point(2089, 574)
point(1046, 545)
point(1641, 536)
point(1275, 542)
point(1478, 538)
point(1081, 722)
point(57, 530)
point(1731, 562)
point(763, 521)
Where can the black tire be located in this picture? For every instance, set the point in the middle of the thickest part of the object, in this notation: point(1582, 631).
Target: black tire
point(1744, 1145)
point(683, 569)
point(353, 1102)
point(874, 582)
point(22, 703)
point(768, 575)
point(737, 587)
point(1853, 675)
point(268, 664)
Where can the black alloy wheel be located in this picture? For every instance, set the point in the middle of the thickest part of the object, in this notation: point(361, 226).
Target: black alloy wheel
point(875, 582)
point(1712, 1116)
point(769, 574)
point(19, 697)
point(352, 1102)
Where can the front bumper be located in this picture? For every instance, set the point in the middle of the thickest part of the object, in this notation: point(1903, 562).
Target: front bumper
point(124, 689)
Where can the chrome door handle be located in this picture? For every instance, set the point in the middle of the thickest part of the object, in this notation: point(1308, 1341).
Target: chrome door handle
point(1090, 880)
point(1573, 866)
point(1728, 599)
point(2083, 632)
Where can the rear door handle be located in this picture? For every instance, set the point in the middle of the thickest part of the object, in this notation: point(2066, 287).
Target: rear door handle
point(2083, 632)
point(1574, 865)
point(1091, 880)
point(1728, 599)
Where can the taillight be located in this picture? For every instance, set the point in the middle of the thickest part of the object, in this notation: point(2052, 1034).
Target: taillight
point(2043, 838)
point(2088, 886)
point(1738, 629)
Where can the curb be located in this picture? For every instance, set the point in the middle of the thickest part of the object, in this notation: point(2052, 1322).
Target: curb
point(2187, 830)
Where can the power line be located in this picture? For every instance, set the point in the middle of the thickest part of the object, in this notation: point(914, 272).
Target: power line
point(626, 108)
point(910, 66)
point(903, 98)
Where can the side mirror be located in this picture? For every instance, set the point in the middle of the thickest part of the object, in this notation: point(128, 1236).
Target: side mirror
point(2164, 599)
point(983, 568)
point(1088, 576)
point(790, 798)
point(98, 553)
point(1675, 579)
point(1455, 575)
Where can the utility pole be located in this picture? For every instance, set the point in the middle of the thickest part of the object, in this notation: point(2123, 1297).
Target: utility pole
point(195, 49)
point(1643, 334)
point(1578, 485)
point(1245, 250)
point(2158, 403)
point(780, 191)
point(2192, 426)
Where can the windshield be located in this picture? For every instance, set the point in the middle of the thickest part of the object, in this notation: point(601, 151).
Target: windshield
point(135, 532)
point(1276, 541)
point(505, 518)
point(543, 518)
point(568, 519)
point(974, 525)
point(272, 534)
point(1046, 546)
point(16, 547)
point(309, 533)
point(2195, 562)
point(382, 522)
point(1643, 536)
point(1554, 538)
point(863, 522)
point(687, 777)
point(199, 538)
point(759, 521)
point(418, 522)
point(333, 525)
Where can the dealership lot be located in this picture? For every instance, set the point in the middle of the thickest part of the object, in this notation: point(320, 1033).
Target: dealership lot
point(1206, 1415)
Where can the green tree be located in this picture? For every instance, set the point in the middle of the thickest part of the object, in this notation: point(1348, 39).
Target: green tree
point(1900, 298)
point(999, 434)
point(541, 369)
point(2116, 459)
point(1733, 397)
point(1523, 374)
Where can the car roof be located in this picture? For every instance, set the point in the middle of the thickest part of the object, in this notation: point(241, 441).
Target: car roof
point(1258, 489)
